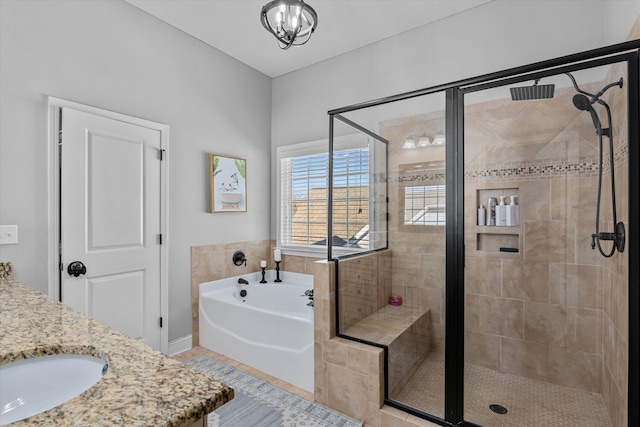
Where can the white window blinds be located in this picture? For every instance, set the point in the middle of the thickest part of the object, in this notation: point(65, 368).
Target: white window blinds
point(303, 199)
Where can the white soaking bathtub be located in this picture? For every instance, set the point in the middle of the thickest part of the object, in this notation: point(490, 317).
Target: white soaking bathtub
point(270, 328)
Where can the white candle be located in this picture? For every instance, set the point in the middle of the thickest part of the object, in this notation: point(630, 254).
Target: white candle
point(263, 264)
point(277, 255)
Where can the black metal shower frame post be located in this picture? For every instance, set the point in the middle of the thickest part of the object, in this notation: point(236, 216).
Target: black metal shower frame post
point(454, 339)
point(329, 209)
point(633, 239)
point(454, 260)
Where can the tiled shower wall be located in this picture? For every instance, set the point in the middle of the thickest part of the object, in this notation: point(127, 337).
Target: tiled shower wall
point(615, 372)
point(556, 310)
point(417, 251)
point(537, 313)
point(365, 286)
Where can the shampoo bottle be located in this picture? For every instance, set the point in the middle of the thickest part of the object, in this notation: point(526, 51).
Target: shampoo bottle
point(501, 213)
point(491, 211)
point(513, 212)
point(482, 215)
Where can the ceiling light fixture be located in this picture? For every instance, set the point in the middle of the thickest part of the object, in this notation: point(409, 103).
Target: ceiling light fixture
point(291, 21)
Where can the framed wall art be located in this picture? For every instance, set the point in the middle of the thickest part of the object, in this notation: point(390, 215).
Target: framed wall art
point(227, 184)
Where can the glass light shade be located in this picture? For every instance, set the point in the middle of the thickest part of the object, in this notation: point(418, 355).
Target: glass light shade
point(409, 143)
point(438, 139)
point(424, 141)
point(291, 21)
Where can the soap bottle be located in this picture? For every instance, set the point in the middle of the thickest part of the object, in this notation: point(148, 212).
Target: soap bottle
point(491, 211)
point(513, 212)
point(501, 213)
point(482, 215)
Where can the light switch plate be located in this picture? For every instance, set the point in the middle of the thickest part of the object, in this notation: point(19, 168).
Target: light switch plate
point(8, 234)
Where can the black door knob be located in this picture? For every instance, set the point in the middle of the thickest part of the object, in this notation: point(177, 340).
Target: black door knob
point(76, 268)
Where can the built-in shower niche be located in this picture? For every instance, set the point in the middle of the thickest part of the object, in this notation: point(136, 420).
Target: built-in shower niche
point(492, 238)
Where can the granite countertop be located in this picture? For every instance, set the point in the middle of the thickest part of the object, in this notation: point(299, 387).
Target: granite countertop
point(142, 387)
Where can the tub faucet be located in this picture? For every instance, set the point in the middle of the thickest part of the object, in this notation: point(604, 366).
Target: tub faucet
point(242, 281)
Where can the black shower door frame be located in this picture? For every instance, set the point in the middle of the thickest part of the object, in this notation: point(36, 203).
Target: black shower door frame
point(455, 251)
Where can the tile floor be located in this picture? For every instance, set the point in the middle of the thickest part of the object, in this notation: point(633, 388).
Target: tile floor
point(530, 403)
point(244, 368)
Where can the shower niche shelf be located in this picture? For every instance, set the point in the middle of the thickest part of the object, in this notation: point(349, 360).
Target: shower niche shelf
point(490, 238)
point(493, 240)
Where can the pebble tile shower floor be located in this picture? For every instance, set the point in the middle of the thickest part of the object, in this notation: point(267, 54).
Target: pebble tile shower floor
point(530, 403)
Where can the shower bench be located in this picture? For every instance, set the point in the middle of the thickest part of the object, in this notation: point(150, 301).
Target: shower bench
point(404, 330)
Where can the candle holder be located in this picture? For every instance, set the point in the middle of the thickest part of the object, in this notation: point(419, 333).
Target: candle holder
point(277, 272)
point(263, 281)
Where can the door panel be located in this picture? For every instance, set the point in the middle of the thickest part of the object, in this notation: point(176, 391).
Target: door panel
point(110, 210)
point(123, 293)
point(119, 227)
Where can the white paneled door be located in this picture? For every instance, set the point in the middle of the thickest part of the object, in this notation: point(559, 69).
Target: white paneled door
point(110, 199)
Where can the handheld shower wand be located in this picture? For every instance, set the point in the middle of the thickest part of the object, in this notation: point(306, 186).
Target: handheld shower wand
point(581, 102)
point(584, 101)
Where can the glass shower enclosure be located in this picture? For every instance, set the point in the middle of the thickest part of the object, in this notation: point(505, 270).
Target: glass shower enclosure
point(493, 273)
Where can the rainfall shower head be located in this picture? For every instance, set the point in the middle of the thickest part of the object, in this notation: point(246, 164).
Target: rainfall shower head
point(528, 93)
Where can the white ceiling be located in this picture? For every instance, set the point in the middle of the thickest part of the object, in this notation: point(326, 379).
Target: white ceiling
point(233, 26)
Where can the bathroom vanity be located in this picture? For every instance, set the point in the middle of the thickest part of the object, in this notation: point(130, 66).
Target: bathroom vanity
point(141, 386)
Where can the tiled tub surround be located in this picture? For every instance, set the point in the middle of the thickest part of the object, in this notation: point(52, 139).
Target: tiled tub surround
point(272, 323)
point(214, 262)
point(141, 388)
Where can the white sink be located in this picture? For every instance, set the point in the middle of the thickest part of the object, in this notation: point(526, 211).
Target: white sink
point(31, 386)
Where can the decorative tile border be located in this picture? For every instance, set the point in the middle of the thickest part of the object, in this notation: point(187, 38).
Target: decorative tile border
point(519, 171)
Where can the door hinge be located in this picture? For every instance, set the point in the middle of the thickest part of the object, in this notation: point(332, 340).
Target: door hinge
point(161, 322)
point(59, 125)
point(162, 154)
point(61, 267)
point(159, 239)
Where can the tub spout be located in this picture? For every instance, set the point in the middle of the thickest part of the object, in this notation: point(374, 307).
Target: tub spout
point(242, 281)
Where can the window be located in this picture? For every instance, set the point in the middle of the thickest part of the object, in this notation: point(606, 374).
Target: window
point(351, 198)
point(424, 205)
point(303, 185)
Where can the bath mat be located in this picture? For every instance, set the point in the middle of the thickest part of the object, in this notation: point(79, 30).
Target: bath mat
point(260, 404)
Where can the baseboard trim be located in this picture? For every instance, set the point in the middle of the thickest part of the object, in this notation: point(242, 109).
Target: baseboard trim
point(180, 345)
